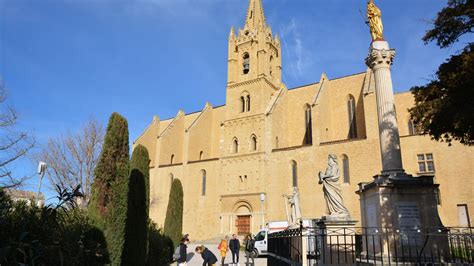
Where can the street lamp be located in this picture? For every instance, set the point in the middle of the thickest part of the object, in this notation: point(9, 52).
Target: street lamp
point(41, 171)
point(262, 200)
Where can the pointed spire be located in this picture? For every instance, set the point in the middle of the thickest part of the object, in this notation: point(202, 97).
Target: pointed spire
point(255, 17)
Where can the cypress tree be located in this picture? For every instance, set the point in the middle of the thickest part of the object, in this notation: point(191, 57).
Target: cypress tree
point(174, 214)
point(108, 206)
point(136, 229)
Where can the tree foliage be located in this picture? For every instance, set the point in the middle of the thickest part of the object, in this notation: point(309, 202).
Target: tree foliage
point(56, 234)
point(443, 107)
point(72, 158)
point(451, 23)
point(160, 247)
point(173, 227)
point(108, 206)
point(136, 228)
point(14, 144)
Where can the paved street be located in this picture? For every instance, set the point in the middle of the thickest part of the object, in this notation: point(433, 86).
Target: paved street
point(195, 259)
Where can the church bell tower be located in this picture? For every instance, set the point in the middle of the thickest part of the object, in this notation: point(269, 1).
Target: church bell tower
point(253, 51)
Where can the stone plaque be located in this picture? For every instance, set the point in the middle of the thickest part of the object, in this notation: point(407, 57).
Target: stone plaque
point(371, 215)
point(408, 215)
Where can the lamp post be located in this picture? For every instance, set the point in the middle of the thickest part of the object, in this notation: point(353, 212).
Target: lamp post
point(262, 200)
point(41, 171)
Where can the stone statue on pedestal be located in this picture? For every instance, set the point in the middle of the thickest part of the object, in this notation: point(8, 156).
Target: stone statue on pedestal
point(332, 191)
point(294, 217)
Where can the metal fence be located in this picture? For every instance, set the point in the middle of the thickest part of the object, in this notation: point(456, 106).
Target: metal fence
point(357, 245)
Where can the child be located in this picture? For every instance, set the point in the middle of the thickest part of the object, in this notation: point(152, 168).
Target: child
point(209, 258)
point(183, 251)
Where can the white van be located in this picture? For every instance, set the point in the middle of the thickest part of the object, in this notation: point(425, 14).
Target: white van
point(261, 238)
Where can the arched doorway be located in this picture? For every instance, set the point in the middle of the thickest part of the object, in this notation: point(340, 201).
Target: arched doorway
point(243, 221)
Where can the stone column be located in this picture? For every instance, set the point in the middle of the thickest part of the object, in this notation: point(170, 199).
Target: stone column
point(379, 60)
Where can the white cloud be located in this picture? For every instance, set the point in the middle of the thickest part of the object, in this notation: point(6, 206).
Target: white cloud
point(298, 57)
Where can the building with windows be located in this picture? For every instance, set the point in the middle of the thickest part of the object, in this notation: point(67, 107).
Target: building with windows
point(29, 197)
point(235, 161)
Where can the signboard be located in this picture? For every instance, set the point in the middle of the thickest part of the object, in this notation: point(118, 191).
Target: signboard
point(408, 215)
point(371, 215)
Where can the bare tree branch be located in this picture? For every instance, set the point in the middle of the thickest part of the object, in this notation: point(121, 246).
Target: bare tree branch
point(13, 145)
point(72, 158)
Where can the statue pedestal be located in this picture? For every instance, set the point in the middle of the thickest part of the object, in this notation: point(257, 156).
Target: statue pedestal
point(335, 242)
point(400, 218)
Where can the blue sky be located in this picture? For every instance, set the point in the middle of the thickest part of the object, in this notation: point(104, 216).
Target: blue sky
point(64, 61)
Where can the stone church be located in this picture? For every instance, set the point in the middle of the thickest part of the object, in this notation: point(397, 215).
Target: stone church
point(236, 161)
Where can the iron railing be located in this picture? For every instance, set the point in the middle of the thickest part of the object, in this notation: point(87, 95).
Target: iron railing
point(361, 245)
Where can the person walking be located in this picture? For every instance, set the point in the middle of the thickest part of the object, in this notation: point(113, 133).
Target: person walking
point(249, 247)
point(234, 246)
point(209, 259)
point(223, 248)
point(183, 254)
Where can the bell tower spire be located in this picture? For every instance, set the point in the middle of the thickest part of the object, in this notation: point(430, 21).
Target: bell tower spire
point(255, 17)
point(254, 52)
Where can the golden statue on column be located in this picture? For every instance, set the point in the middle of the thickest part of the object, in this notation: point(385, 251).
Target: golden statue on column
point(374, 16)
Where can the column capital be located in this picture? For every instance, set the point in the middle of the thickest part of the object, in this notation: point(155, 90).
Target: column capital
point(380, 58)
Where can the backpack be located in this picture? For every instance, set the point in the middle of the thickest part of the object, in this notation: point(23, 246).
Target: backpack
point(176, 254)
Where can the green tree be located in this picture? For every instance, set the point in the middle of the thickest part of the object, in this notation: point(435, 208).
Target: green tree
point(160, 247)
point(174, 214)
point(108, 206)
point(136, 229)
point(443, 107)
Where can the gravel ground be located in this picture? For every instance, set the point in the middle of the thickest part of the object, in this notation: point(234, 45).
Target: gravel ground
point(195, 259)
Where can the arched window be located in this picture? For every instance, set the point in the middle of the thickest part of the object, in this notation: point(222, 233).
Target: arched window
point(244, 102)
point(308, 137)
point(235, 145)
point(203, 176)
point(253, 143)
point(246, 63)
point(172, 159)
point(271, 65)
point(294, 173)
point(200, 155)
point(351, 109)
point(345, 168)
point(412, 128)
point(247, 102)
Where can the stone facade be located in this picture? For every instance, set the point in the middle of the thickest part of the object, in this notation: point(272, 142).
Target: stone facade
point(267, 137)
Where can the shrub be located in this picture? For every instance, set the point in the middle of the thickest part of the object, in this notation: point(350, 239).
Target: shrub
point(161, 247)
point(136, 227)
point(57, 234)
point(174, 214)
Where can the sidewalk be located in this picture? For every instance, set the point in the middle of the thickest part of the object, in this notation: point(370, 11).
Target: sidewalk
point(195, 259)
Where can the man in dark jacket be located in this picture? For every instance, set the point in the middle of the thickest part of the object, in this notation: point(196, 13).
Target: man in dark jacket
point(209, 259)
point(183, 254)
point(234, 246)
